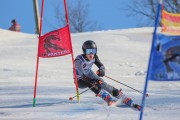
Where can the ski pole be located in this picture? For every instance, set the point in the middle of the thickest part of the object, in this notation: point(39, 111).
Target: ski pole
point(126, 85)
point(71, 98)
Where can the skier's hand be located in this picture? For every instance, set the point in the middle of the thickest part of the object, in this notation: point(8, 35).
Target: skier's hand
point(101, 72)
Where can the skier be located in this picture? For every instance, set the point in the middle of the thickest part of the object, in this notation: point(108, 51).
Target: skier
point(15, 26)
point(87, 78)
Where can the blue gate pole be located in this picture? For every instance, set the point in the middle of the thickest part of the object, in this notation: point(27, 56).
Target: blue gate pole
point(150, 59)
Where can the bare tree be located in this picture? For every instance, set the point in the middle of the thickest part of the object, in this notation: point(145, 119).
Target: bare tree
point(146, 10)
point(172, 6)
point(78, 16)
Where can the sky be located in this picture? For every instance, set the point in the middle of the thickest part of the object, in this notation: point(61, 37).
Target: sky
point(106, 13)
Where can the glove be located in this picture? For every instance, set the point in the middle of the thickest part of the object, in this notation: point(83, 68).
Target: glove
point(101, 72)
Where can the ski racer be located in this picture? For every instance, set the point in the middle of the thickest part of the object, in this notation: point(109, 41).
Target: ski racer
point(87, 78)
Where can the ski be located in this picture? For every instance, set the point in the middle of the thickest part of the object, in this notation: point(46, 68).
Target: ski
point(119, 103)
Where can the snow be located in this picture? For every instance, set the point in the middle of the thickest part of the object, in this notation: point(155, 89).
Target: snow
point(125, 54)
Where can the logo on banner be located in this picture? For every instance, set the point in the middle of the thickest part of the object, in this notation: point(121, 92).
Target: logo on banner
point(48, 43)
point(166, 58)
point(171, 54)
point(55, 43)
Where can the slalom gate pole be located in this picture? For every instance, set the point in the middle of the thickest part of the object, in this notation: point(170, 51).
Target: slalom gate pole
point(72, 54)
point(150, 58)
point(37, 62)
point(126, 85)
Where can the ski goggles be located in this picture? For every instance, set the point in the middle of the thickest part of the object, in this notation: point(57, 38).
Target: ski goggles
point(91, 51)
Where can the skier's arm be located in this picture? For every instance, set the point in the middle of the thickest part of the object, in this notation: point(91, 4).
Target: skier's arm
point(78, 68)
point(98, 63)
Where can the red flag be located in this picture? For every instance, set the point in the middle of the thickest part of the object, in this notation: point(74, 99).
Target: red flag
point(55, 43)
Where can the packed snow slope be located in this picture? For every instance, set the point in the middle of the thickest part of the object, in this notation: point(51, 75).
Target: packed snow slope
point(124, 53)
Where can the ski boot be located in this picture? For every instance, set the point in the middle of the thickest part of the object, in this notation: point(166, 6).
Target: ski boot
point(128, 101)
point(106, 97)
point(137, 107)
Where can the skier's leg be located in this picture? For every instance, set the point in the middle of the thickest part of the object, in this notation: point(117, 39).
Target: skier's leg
point(96, 89)
point(106, 97)
point(115, 92)
point(86, 83)
point(112, 90)
point(127, 100)
point(118, 94)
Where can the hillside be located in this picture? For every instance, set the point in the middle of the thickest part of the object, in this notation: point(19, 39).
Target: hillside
point(124, 53)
